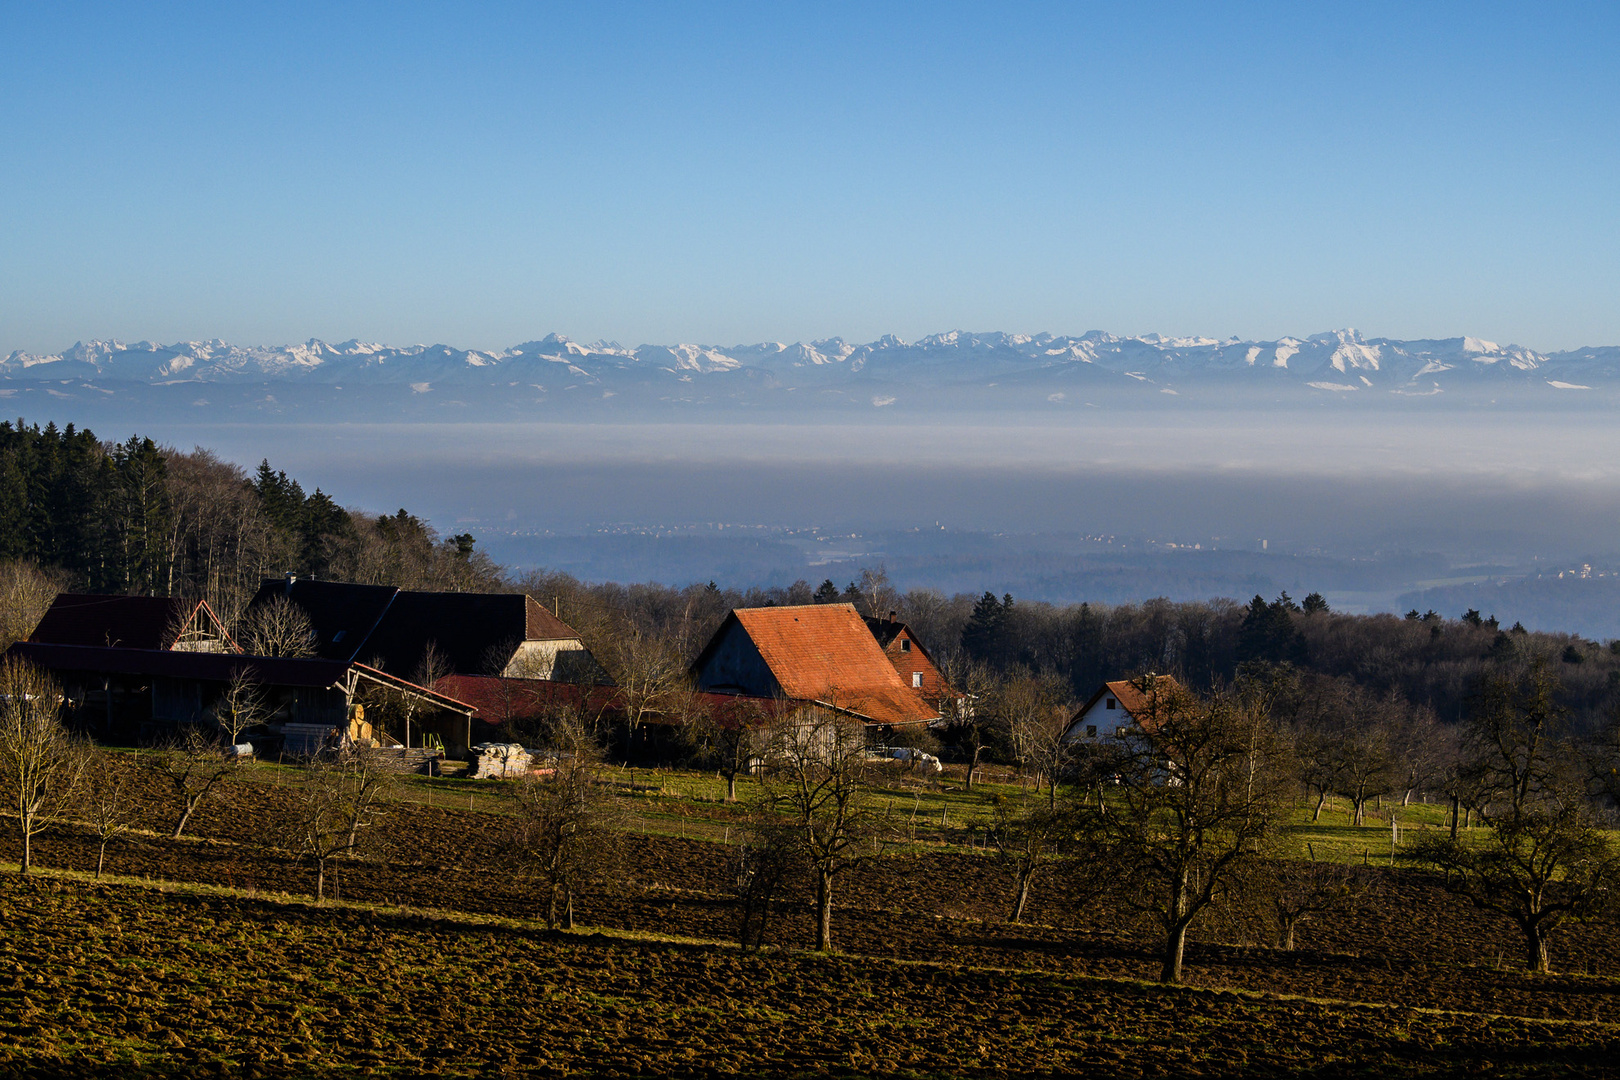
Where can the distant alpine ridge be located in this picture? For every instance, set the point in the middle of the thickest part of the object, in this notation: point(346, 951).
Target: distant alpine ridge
point(1342, 363)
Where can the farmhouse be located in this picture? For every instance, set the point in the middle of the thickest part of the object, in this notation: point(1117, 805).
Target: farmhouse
point(813, 653)
point(1115, 706)
point(421, 634)
point(910, 660)
point(133, 666)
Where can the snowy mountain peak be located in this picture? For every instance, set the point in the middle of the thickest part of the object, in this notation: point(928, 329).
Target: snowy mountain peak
point(1339, 361)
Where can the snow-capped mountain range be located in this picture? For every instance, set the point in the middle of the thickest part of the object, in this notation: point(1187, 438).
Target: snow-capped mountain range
point(1342, 363)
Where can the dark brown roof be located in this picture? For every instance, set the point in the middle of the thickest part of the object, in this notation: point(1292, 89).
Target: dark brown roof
point(343, 614)
point(392, 627)
point(205, 667)
point(826, 653)
point(131, 622)
point(473, 632)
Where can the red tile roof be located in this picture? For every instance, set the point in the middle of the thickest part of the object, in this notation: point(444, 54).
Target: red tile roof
point(826, 653)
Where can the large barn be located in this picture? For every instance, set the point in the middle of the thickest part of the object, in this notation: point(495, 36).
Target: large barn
point(814, 653)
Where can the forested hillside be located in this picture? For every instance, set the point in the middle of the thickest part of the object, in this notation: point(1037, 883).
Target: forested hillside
point(134, 517)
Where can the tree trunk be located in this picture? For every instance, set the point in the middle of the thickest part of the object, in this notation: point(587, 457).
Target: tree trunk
point(1454, 808)
point(1359, 815)
point(1321, 798)
point(1536, 949)
point(568, 910)
point(973, 764)
point(27, 847)
point(824, 884)
point(320, 880)
point(1021, 893)
point(731, 787)
point(180, 827)
point(101, 858)
point(1288, 924)
point(1175, 946)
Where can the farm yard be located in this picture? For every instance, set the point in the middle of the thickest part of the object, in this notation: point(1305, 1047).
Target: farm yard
point(207, 956)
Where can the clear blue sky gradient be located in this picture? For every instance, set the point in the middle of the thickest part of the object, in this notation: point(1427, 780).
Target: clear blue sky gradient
point(484, 174)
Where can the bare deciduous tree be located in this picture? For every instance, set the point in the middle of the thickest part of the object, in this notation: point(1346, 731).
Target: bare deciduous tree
point(650, 673)
point(341, 796)
point(26, 592)
point(1198, 785)
point(1027, 838)
point(971, 715)
point(566, 832)
point(194, 766)
point(41, 765)
point(766, 859)
point(109, 806)
point(1295, 891)
point(242, 705)
point(817, 783)
point(277, 628)
point(1542, 859)
point(1034, 712)
point(725, 736)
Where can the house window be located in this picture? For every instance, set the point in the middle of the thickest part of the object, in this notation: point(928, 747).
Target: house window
point(916, 680)
point(1110, 703)
point(1091, 731)
point(905, 644)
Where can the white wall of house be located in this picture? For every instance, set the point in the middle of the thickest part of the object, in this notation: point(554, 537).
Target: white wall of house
point(538, 659)
point(1099, 722)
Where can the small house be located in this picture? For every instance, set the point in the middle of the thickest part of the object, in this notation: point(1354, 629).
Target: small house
point(1114, 707)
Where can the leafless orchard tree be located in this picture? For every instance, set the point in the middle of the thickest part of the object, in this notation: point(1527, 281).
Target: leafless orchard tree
point(277, 628)
point(41, 765)
point(194, 765)
point(1194, 787)
point(108, 805)
point(767, 860)
point(1034, 712)
point(1542, 859)
point(1294, 891)
point(432, 666)
point(566, 832)
point(1027, 839)
point(818, 783)
point(242, 705)
point(725, 736)
point(972, 713)
point(341, 797)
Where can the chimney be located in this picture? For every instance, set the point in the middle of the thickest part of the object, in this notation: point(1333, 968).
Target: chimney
point(892, 614)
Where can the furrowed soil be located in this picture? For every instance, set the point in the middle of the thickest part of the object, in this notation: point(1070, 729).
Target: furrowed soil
point(930, 981)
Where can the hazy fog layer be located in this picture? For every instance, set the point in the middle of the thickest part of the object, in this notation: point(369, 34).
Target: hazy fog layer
point(1487, 485)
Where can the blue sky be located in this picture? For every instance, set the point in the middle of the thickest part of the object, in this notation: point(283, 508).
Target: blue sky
point(485, 174)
